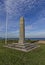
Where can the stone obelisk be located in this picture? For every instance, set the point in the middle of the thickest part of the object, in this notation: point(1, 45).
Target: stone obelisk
point(22, 45)
point(22, 31)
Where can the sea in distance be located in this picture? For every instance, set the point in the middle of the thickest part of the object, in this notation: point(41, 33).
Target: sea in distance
point(25, 38)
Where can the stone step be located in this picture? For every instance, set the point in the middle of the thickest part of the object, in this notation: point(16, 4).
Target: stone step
point(25, 46)
point(30, 47)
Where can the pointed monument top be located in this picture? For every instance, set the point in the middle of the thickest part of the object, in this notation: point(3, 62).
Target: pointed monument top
point(22, 19)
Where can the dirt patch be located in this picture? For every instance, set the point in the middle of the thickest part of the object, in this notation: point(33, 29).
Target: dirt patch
point(42, 42)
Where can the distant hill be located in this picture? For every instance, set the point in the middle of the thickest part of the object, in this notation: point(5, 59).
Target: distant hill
point(1, 38)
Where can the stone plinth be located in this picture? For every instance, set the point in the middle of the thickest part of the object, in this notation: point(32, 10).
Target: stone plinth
point(26, 48)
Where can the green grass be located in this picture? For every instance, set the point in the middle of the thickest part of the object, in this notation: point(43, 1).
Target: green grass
point(14, 57)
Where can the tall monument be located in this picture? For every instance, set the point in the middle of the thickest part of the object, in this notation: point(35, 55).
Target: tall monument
point(22, 31)
point(22, 45)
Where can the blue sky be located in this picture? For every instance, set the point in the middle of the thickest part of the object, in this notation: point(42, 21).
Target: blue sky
point(33, 12)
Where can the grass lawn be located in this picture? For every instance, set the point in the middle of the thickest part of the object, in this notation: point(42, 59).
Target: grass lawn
point(14, 57)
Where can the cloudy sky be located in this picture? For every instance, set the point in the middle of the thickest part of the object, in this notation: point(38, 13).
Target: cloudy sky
point(33, 12)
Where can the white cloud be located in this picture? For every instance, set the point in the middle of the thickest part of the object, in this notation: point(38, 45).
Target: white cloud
point(36, 34)
point(15, 7)
point(13, 34)
point(2, 6)
point(2, 28)
point(41, 14)
point(29, 28)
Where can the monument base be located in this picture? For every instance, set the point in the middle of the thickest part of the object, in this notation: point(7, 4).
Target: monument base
point(23, 47)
